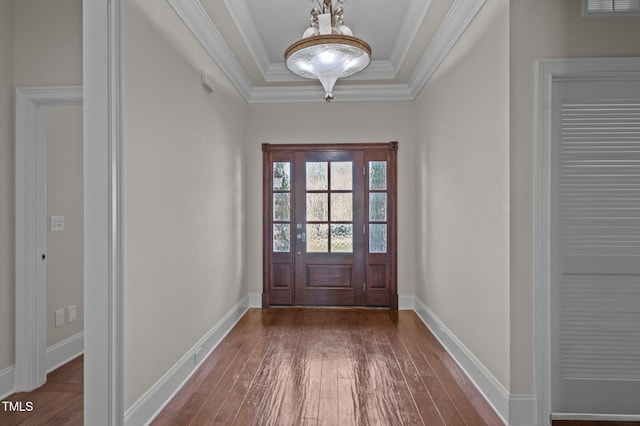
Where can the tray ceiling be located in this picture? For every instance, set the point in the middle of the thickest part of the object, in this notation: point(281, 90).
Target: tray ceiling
point(247, 39)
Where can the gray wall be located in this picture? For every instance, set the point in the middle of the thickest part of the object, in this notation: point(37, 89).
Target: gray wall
point(40, 44)
point(183, 195)
point(543, 29)
point(65, 249)
point(335, 123)
point(463, 122)
point(7, 184)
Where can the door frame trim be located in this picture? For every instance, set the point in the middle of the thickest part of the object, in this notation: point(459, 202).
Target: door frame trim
point(103, 209)
point(266, 202)
point(31, 228)
point(547, 72)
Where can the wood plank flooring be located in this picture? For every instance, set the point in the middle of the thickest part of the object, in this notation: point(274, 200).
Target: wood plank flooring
point(308, 366)
point(303, 366)
point(60, 401)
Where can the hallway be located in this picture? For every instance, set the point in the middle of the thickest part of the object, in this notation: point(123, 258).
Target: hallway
point(317, 366)
point(303, 366)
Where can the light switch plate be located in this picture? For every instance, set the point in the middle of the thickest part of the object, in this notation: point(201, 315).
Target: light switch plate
point(59, 317)
point(71, 313)
point(57, 223)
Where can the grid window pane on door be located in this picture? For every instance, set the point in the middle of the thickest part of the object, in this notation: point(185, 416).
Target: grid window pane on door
point(329, 206)
point(281, 206)
point(378, 228)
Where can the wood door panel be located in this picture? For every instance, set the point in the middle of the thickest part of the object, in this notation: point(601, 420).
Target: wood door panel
point(377, 276)
point(340, 268)
point(282, 275)
point(329, 276)
point(327, 297)
point(378, 297)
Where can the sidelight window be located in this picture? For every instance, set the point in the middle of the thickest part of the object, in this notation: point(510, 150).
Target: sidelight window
point(378, 228)
point(282, 206)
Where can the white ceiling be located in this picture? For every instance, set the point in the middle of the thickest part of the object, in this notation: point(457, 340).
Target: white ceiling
point(247, 39)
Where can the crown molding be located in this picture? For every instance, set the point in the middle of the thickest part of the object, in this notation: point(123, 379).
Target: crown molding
point(455, 23)
point(343, 93)
point(412, 21)
point(377, 70)
point(247, 26)
point(196, 19)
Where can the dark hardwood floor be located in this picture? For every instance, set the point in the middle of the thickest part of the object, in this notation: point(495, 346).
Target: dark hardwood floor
point(59, 402)
point(303, 366)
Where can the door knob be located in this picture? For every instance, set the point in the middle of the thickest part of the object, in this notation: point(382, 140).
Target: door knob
point(302, 237)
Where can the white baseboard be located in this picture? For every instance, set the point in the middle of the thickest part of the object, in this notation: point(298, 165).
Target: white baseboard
point(520, 410)
point(254, 300)
point(523, 410)
point(57, 355)
point(64, 351)
point(7, 381)
point(145, 409)
point(406, 302)
point(514, 410)
point(596, 417)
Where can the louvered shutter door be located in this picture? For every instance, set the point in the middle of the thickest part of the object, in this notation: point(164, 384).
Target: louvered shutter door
point(599, 203)
point(610, 7)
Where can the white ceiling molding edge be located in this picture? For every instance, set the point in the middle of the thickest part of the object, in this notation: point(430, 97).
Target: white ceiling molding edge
point(246, 25)
point(455, 23)
point(197, 20)
point(377, 70)
point(412, 21)
point(344, 93)
point(458, 18)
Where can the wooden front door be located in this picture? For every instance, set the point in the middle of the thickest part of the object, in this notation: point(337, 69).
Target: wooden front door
point(329, 225)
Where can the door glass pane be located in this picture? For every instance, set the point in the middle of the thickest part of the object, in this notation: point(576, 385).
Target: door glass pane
point(377, 238)
point(317, 176)
point(341, 176)
point(281, 206)
point(317, 207)
point(377, 175)
point(342, 238)
point(317, 238)
point(378, 206)
point(281, 237)
point(342, 207)
point(281, 176)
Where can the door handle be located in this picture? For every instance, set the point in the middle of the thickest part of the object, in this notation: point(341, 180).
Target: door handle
point(302, 237)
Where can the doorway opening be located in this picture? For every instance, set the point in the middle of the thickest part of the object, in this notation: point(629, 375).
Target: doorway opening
point(34, 354)
point(329, 224)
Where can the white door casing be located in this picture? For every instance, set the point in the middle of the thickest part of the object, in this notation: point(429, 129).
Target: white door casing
point(551, 72)
point(103, 236)
point(30, 308)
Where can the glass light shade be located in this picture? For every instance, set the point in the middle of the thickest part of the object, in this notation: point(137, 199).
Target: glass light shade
point(328, 58)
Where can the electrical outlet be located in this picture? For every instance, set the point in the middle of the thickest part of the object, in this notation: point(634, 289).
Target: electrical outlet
point(71, 313)
point(197, 355)
point(59, 317)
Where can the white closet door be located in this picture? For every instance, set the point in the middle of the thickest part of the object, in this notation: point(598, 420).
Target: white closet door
point(596, 248)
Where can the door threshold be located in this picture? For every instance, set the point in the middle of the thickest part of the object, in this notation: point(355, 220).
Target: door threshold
point(331, 307)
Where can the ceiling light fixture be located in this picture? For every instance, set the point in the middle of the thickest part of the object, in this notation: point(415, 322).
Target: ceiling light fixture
point(328, 50)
